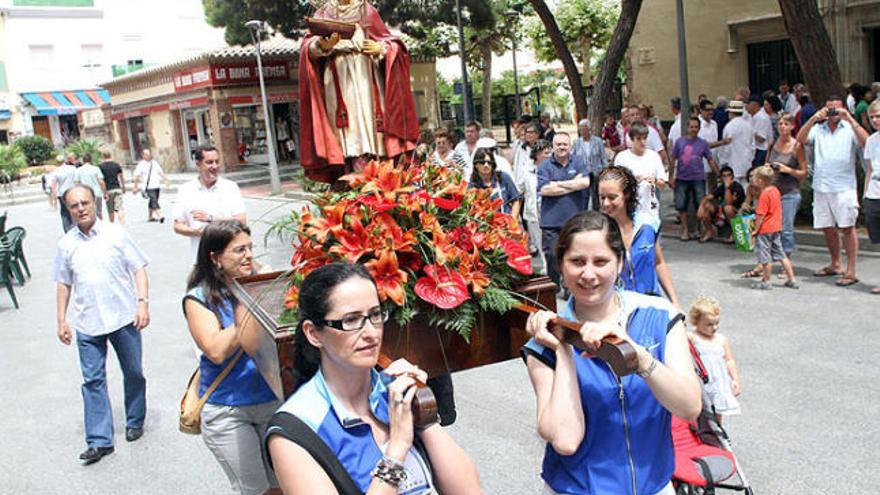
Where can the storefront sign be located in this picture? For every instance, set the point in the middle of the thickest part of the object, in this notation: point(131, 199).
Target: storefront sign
point(92, 118)
point(162, 107)
point(227, 74)
point(256, 100)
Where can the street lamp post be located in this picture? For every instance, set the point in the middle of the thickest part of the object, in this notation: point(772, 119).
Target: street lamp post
point(256, 28)
point(682, 66)
point(465, 89)
point(513, 16)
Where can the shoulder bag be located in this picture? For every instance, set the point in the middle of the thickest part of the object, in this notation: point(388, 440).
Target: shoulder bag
point(191, 404)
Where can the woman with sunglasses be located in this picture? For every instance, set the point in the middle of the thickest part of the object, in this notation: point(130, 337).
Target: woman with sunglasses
point(348, 425)
point(644, 268)
point(487, 176)
point(236, 413)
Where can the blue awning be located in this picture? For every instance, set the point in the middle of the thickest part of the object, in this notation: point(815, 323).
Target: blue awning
point(66, 102)
point(5, 114)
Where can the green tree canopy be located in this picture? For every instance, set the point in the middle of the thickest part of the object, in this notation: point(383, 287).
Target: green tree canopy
point(586, 26)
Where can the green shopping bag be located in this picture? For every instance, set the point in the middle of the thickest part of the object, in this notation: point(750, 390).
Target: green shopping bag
point(742, 226)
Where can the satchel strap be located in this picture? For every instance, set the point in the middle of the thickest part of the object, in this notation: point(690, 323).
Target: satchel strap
point(294, 429)
point(220, 377)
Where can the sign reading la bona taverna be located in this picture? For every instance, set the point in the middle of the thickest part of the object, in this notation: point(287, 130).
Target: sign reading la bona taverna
point(226, 74)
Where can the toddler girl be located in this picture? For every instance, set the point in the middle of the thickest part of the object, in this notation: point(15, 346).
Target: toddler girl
point(714, 349)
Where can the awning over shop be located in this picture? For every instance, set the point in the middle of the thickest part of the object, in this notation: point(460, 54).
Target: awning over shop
point(66, 102)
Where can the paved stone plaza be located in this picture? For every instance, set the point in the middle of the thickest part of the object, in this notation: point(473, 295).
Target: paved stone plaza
point(807, 358)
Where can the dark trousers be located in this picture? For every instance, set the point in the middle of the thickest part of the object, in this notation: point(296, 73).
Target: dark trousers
point(760, 158)
point(548, 245)
point(66, 219)
point(594, 193)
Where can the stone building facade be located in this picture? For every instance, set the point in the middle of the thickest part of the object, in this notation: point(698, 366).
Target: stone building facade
point(731, 44)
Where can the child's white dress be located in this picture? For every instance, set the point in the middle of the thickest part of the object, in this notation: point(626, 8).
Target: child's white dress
point(719, 386)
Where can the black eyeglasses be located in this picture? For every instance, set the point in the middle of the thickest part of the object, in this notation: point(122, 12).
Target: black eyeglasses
point(482, 162)
point(353, 323)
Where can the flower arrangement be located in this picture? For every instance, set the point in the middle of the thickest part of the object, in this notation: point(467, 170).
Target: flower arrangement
point(432, 244)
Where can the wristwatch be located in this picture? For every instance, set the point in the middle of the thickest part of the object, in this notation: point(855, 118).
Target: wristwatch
point(145, 300)
point(649, 370)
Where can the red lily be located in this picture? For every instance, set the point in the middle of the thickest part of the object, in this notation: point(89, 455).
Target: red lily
point(353, 243)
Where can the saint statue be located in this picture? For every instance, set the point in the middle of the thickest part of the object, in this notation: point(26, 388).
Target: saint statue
point(355, 96)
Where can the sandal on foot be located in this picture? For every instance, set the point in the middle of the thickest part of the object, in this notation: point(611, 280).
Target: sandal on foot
point(846, 281)
point(751, 274)
point(791, 284)
point(826, 271)
point(761, 285)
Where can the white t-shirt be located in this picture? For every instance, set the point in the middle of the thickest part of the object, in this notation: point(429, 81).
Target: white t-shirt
point(465, 156)
point(649, 164)
point(872, 153)
point(674, 131)
point(708, 132)
point(762, 126)
point(155, 174)
point(655, 142)
point(741, 150)
point(222, 200)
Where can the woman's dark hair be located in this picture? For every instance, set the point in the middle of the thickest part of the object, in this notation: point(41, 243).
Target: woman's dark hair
point(588, 221)
point(628, 184)
point(206, 273)
point(775, 102)
point(539, 146)
point(480, 155)
point(314, 296)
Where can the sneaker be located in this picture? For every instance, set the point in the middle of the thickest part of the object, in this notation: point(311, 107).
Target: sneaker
point(761, 285)
point(791, 284)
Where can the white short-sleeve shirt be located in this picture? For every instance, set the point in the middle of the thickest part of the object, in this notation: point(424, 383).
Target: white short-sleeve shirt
point(149, 176)
point(222, 200)
point(872, 153)
point(648, 164)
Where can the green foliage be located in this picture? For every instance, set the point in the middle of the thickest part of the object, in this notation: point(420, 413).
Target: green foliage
point(12, 159)
point(36, 149)
point(586, 26)
point(460, 320)
point(417, 18)
point(86, 146)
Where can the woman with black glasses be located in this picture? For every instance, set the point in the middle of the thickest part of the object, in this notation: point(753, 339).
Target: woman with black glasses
point(487, 176)
point(348, 428)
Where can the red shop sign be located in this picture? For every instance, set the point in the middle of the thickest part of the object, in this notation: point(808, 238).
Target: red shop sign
point(227, 74)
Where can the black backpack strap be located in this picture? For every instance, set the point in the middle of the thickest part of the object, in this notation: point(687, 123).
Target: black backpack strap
point(294, 429)
point(707, 475)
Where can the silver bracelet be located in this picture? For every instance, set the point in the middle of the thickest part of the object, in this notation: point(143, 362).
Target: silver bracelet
point(389, 471)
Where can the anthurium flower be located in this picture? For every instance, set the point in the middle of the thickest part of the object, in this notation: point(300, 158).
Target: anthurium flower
point(377, 203)
point(390, 279)
point(442, 287)
point(518, 256)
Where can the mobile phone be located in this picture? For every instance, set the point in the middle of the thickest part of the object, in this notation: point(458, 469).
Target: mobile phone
point(774, 165)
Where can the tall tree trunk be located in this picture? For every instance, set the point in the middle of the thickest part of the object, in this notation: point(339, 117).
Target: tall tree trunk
point(564, 55)
point(626, 24)
point(486, 52)
point(813, 47)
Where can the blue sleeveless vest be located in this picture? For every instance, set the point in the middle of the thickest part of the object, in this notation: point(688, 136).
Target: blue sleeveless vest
point(628, 441)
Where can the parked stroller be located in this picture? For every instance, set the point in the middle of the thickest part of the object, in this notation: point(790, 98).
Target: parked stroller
point(704, 459)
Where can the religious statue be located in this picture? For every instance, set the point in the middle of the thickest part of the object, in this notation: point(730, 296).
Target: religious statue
point(355, 95)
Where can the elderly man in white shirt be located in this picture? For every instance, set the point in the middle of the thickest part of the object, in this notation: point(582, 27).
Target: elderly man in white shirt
point(208, 198)
point(762, 127)
point(836, 138)
point(709, 132)
point(464, 151)
point(740, 148)
point(105, 271)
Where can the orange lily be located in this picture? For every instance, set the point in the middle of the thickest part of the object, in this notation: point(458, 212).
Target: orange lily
point(390, 279)
point(353, 243)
